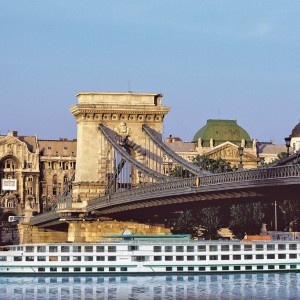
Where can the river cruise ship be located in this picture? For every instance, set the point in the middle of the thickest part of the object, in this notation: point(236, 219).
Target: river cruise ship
point(150, 254)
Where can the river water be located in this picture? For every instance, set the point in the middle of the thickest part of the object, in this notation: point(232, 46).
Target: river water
point(233, 286)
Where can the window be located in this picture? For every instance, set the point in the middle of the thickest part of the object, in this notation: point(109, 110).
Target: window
point(247, 247)
point(53, 258)
point(281, 256)
point(29, 258)
point(270, 256)
point(65, 269)
point(270, 247)
point(157, 248)
point(259, 267)
point(53, 269)
point(168, 248)
point(213, 247)
point(112, 249)
point(3, 258)
point(213, 257)
point(76, 258)
point(293, 246)
point(100, 248)
point(190, 268)
point(88, 248)
point(179, 258)
point(138, 258)
point(179, 249)
point(76, 248)
point(236, 248)
point(247, 257)
point(41, 269)
point(190, 258)
point(100, 258)
point(17, 258)
point(133, 248)
point(111, 258)
point(123, 269)
point(65, 258)
point(225, 268)
point(52, 248)
point(293, 255)
point(224, 247)
point(202, 248)
point(111, 269)
point(293, 266)
point(224, 257)
point(88, 269)
point(201, 268)
point(190, 248)
point(169, 269)
point(41, 258)
point(157, 258)
point(236, 268)
point(100, 269)
point(236, 257)
point(41, 248)
point(168, 258)
point(29, 249)
point(213, 268)
point(271, 267)
point(282, 267)
point(248, 268)
point(65, 249)
point(201, 257)
point(77, 269)
point(281, 247)
point(259, 256)
point(259, 247)
point(88, 258)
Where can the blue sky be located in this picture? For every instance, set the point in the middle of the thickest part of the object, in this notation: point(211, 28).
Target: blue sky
point(211, 59)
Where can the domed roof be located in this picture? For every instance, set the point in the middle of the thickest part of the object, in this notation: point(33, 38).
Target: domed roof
point(296, 131)
point(222, 131)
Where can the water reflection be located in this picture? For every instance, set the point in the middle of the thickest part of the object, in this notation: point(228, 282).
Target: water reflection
point(234, 286)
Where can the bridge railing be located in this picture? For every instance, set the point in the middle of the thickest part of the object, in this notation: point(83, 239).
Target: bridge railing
point(209, 180)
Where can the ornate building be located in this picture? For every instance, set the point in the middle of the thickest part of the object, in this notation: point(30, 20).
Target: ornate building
point(33, 172)
point(295, 138)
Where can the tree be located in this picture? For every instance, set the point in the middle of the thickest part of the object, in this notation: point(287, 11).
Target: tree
point(186, 224)
point(290, 210)
point(218, 165)
point(210, 221)
point(246, 218)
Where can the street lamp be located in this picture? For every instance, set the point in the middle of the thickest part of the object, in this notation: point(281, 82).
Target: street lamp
point(241, 152)
point(288, 144)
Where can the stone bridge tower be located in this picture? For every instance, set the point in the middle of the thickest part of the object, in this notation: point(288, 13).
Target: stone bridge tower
point(125, 113)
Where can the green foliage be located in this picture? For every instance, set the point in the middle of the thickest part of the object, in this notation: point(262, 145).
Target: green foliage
point(210, 221)
point(218, 165)
point(186, 223)
point(290, 210)
point(246, 219)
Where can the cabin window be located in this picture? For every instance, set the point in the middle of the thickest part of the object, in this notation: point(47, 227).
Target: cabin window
point(65, 249)
point(201, 268)
point(180, 269)
point(202, 248)
point(236, 268)
point(100, 248)
point(41, 269)
point(168, 258)
point(293, 266)
point(169, 269)
point(225, 268)
point(213, 257)
point(213, 268)
point(259, 256)
point(111, 269)
point(236, 257)
point(179, 249)
point(52, 248)
point(293, 255)
point(168, 248)
point(76, 258)
point(111, 258)
point(157, 258)
point(123, 269)
point(41, 258)
point(271, 267)
point(259, 247)
point(65, 269)
point(190, 248)
point(100, 258)
point(270, 247)
point(270, 256)
point(112, 249)
point(236, 248)
point(17, 258)
point(190, 268)
point(41, 248)
point(53, 258)
point(224, 247)
point(76, 248)
point(259, 267)
point(90, 249)
point(157, 248)
point(100, 269)
point(179, 258)
point(88, 269)
point(88, 258)
point(29, 249)
point(201, 257)
point(190, 258)
point(282, 267)
point(247, 247)
point(247, 257)
point(29, 258)
point(65, 258)
point(77, 269)
point(133, 248)
point(213, 248)
point(281, 247)
point(293, 246)
point(53, 269)
point(224, 257)
point(3, 258)
point(138, 258)
point(248, 268)
point(281, 256)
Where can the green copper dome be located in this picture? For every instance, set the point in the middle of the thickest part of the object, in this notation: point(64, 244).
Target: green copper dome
point(222, 131)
